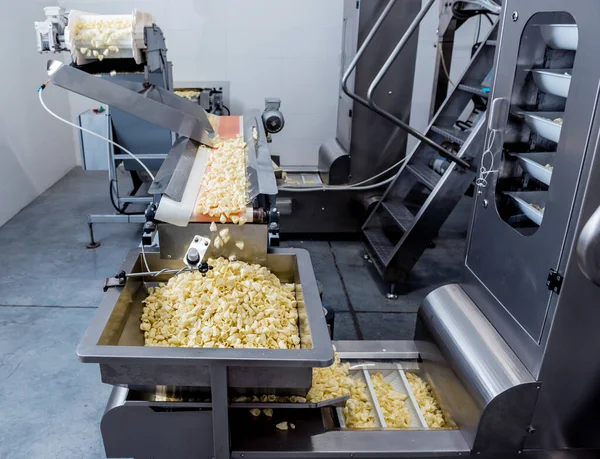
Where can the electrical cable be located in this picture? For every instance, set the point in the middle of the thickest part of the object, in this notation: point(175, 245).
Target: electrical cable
point(354, 186)
point(478, 30)
point(226, 108)
point(439, 49)
point(41, 88)
point(144, 258)
point(114, 204)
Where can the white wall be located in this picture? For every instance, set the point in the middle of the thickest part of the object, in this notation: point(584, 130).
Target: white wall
point(35, 149)
point(289, 49)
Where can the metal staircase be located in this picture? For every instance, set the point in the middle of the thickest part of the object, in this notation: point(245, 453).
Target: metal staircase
point(429, 185)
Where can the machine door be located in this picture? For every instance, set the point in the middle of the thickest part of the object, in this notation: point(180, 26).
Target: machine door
point(547, 70)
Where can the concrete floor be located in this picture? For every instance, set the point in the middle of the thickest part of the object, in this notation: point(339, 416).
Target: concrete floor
point(51, 284)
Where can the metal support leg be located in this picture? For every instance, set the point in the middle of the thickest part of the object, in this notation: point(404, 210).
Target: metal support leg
point(391, 294)
point(220, 407)
point(92, 244)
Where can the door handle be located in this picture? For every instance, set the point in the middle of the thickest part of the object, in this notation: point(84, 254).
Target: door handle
point(588, 248)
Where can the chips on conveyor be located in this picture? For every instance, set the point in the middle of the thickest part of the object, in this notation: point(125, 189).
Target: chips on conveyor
point(237, 305)
point(334, 381)
point(435, 417)
point(224, 186)
point(395, 411)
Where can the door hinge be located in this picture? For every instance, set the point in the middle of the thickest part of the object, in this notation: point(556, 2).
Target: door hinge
point(554, 282)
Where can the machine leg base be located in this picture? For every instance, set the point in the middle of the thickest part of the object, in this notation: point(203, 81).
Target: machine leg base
point(92, 244)
point(391, 294)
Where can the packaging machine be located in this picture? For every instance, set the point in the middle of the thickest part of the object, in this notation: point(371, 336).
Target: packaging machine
point(510, 352)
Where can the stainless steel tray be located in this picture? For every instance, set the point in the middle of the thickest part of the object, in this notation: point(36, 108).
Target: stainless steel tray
point(535, 165)
point(524, 199)
point(115, 341)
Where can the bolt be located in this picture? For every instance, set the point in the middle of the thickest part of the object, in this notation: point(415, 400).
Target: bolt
point(206, 243)
point(530, 429)
point(391, 296)
point(515, 16)
point(390, 92)
point(196, 239)
point(485, 203)
point(168, 256)
point(365, 256)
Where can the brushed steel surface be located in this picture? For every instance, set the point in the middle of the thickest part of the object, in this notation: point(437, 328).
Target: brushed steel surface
point(259, 166)
point(349, 350)
point(503, 391)
point(478, 354)
point(506, 270)
point(174, 241)
point(168, 110)
point(588, 248)
point(174, 172)
point(115, 341)
point(334, 163)
point(375, 144)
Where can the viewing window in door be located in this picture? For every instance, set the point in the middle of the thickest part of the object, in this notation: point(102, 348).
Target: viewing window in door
point(540, 92)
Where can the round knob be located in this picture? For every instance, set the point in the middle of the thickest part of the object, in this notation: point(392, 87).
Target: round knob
point(193, 257)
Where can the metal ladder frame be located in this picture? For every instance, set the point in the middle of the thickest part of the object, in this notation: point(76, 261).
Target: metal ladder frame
point(370, 102)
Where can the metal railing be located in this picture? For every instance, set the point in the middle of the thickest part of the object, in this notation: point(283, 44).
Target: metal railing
point(370, 102)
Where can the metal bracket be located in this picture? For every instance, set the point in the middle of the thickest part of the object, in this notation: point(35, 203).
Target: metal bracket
point(117, 281)
point(554, 282)
point(196, 251)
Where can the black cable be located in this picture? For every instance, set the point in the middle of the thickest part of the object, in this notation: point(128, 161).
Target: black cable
point(112, 200)
point(225, 107)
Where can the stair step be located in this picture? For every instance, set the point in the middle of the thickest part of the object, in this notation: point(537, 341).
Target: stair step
point(380, 245)
point(426, 175)
point(478, 91)
point(400, 213)
point(451, 134)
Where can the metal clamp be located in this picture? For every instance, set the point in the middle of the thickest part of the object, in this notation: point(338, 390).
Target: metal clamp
point(196, 251)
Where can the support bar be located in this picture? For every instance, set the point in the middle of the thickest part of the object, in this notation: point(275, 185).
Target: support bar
point(370, 104)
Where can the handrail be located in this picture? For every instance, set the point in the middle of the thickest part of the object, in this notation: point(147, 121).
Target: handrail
point(370, 104)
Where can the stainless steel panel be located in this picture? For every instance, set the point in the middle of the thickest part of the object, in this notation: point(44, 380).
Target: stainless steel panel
point(350, 350)
point(261, 175)
point(308, 442)
point(349, 47)
point(334, 163)
point(375, 143)
point(175, 240)
point(171, 116)
point(94, 151)
point(173, 175)
point(588, 248)
point(497, 381)
point(476, 351)
point(566, 415)
point(150, 429)
point(506, 270)
point(114, 339)
point(146, 140)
